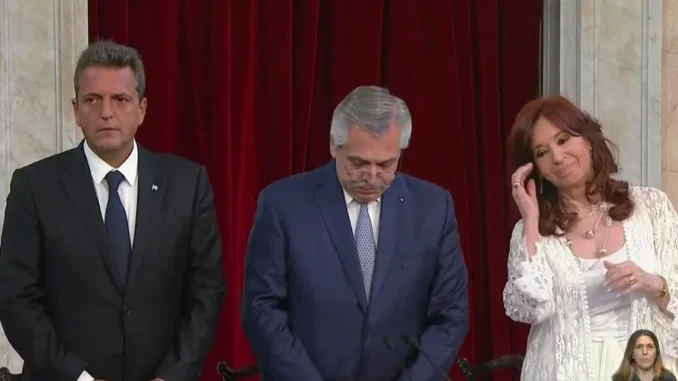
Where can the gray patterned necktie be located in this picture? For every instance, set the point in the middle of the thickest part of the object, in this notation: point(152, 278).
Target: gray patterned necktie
point(364, 239)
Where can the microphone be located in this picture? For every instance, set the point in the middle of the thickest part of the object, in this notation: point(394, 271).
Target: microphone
point(413, 342)
point(389, 344)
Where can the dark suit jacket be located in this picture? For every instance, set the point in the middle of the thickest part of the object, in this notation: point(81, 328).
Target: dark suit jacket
point(62, 308)
point(304, 306)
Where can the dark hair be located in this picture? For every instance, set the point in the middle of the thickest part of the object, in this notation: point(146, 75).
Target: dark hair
point(567, 117)
point(110, 54)
point(626, 370)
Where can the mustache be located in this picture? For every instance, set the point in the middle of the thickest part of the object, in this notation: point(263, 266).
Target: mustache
point(366, 185)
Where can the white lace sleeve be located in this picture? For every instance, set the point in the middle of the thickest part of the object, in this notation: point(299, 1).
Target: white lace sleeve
point(665, 231)
point(528, 294)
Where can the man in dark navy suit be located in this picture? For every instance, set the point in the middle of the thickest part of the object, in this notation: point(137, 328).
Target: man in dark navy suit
point(351, 255)
point(111, 262)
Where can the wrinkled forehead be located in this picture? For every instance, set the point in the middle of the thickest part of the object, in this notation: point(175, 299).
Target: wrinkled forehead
point(372, 146)
point(108, 80)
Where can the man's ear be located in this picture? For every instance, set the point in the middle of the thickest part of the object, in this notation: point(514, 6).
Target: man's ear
point(333, 148)
point(74, 103)
point(142, 110)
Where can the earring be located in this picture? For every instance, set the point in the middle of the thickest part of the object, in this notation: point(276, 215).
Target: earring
point(591, 156)
point(541, 184)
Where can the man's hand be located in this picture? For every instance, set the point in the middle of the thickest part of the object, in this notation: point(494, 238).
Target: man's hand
point(157, 379)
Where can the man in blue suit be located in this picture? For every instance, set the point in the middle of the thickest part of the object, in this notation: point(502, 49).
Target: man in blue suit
point(352, 256)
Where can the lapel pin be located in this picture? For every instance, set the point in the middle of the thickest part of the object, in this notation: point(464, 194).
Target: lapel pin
point(154, 187)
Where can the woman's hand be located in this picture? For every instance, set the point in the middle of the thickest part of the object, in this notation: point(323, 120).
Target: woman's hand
point(626, 277)
point(526, 200)
point(525, 196)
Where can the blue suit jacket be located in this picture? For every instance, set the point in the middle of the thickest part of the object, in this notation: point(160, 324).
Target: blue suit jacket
point(304, 306)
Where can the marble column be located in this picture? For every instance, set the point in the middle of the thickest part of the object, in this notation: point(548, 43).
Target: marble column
point(669, 89)
point(40, 41)
point(605, 55)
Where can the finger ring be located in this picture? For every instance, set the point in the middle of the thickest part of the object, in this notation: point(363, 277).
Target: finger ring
point(632, 279)
point(516, 184)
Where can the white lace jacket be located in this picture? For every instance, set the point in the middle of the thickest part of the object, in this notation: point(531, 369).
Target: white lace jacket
point(548, 292)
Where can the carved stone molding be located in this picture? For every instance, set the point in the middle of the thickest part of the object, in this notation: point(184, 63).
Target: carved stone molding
point(609, 63)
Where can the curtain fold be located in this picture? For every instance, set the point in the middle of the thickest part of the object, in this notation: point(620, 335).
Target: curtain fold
point(247, 88)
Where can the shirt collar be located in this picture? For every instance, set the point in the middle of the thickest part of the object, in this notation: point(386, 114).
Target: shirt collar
point(348, 198)
point(100, 168)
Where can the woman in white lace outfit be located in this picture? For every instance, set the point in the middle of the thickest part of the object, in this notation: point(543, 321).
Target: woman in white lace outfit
point(592, 259)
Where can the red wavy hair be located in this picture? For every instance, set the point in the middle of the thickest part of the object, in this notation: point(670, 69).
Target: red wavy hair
point(567, 117)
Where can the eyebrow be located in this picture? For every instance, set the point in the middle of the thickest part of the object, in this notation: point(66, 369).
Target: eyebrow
point(383, 162)
point(100, 96)
point(555, 136)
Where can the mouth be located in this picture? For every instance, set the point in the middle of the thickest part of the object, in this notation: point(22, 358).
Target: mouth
point(107, 129)
point(565, 171)
point(369, 190)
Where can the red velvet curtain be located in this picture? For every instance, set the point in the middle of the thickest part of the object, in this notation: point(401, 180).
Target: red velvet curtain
point(247, 88)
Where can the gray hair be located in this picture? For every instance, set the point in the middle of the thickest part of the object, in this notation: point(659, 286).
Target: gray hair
point(373, 109)
point(110, 54)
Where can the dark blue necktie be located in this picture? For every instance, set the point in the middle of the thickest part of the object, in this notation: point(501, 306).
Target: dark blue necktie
point(119, 245)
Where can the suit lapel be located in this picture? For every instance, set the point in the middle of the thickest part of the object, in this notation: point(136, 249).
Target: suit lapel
point(390, 232)
point(150, 192)
point(333, 208)
point(79, 187)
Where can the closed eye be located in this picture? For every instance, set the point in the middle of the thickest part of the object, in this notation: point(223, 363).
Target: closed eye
point(563, 139)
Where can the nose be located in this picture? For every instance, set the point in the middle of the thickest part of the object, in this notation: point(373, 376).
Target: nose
point(106, 109)
point(372, 172)
point(368, 173)
point(370, 177)
point(558, 155)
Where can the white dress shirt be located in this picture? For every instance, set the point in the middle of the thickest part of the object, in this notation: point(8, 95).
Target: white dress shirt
point(374, 209)
point(128, 191)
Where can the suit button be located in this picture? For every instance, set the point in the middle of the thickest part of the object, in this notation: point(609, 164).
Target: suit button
point(368, 337)
point(125, 310)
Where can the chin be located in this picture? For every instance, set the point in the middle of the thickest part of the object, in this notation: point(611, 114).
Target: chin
point(108, 144)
